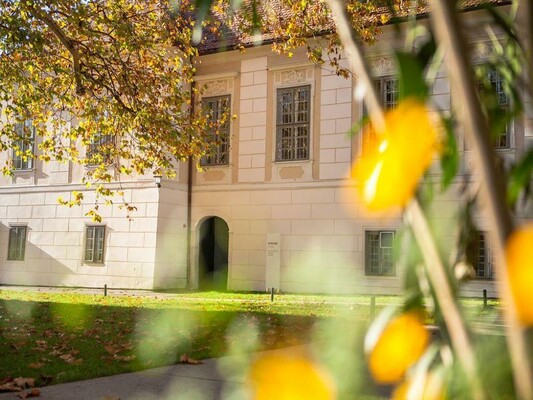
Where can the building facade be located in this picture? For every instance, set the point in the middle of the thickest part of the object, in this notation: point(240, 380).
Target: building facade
point(274, 204)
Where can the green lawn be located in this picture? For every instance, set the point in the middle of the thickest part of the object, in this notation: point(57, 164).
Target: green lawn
point(64, 336)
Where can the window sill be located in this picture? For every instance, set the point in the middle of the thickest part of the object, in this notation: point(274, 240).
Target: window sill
point(93, 264)
point(293, 162)
point(206, 166)
point(94, 166)
point(380, 275)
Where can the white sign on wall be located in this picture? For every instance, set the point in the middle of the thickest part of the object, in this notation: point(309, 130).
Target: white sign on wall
point(272, 279)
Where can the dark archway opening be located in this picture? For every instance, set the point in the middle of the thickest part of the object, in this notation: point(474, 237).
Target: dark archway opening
point(213, 260)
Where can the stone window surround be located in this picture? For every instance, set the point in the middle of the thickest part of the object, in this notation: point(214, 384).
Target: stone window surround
point(294, 150)
point(288, 76)
point(211, 161)
point(217, 85)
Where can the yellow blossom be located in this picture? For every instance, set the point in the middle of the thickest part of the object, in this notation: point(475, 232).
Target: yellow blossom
point(289, 376)
point(519, 255)
point(389, 171)
point(399, 346)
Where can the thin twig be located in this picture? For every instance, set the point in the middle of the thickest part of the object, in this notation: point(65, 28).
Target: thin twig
point(446, 23)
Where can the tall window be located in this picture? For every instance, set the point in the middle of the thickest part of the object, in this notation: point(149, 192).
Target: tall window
point(219, 133)
point(480, 255)
point(387, 90)
point(292, 123)
point(17, 243)
point(379, 253)
point(94, 244)
point(499, 113)
point(24, 145)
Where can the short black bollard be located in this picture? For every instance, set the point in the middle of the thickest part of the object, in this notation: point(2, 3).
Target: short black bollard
point(484, 297)
point(271, 294)
point(105, 290)
point(372, 306)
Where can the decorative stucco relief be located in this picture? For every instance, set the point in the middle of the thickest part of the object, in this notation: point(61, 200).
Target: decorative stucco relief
point(383, 66)
point(481, 52)
point(294, 76)
point(217, 87)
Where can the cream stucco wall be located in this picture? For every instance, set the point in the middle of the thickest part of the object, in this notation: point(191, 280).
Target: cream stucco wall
point(310, 203)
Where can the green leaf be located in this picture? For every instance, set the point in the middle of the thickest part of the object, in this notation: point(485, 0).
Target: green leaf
point(450, 157)
point(519, 177)
point(411, 77)
point(427, 51)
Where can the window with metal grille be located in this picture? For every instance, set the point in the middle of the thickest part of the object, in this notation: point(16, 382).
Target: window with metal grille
point(218, 109)
point(100, 149)
point(17, 243)
point(379, 253)
point(499, 114)
point(24, 147)
point(293, 123)
point(94, 244)
point(387, 89)
point(479, 255)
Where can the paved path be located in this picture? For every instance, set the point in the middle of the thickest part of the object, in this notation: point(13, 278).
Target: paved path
point(181, 381)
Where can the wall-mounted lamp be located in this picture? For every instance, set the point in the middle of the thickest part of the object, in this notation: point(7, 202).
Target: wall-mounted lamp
point(157, 180)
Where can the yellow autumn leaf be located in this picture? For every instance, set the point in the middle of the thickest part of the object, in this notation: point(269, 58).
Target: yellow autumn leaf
point(519, 256)
point(388, 171)
point(399, 346)
point(289, 376)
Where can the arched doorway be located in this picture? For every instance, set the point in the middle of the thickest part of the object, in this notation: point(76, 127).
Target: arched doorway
point(213, 257)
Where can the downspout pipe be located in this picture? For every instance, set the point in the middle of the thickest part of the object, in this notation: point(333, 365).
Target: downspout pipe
point(190, 166)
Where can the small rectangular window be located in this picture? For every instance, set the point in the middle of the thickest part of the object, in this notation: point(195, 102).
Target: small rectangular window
point(479, 254)
point(24, 147)
point(17, 243)
point(379, 253)
point(218, 109)
point(293, 123)
point(94, 244)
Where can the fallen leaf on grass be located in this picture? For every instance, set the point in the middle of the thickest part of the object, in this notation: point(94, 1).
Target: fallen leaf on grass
point(31, 393)
point(9, 387)
point(185, 359)
point(110, 349)
point(124, 358)
point(24, 382)
point(16, 385)
point(36, 365)
point(3, 381)
point(70, 359)
point(110, 398)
